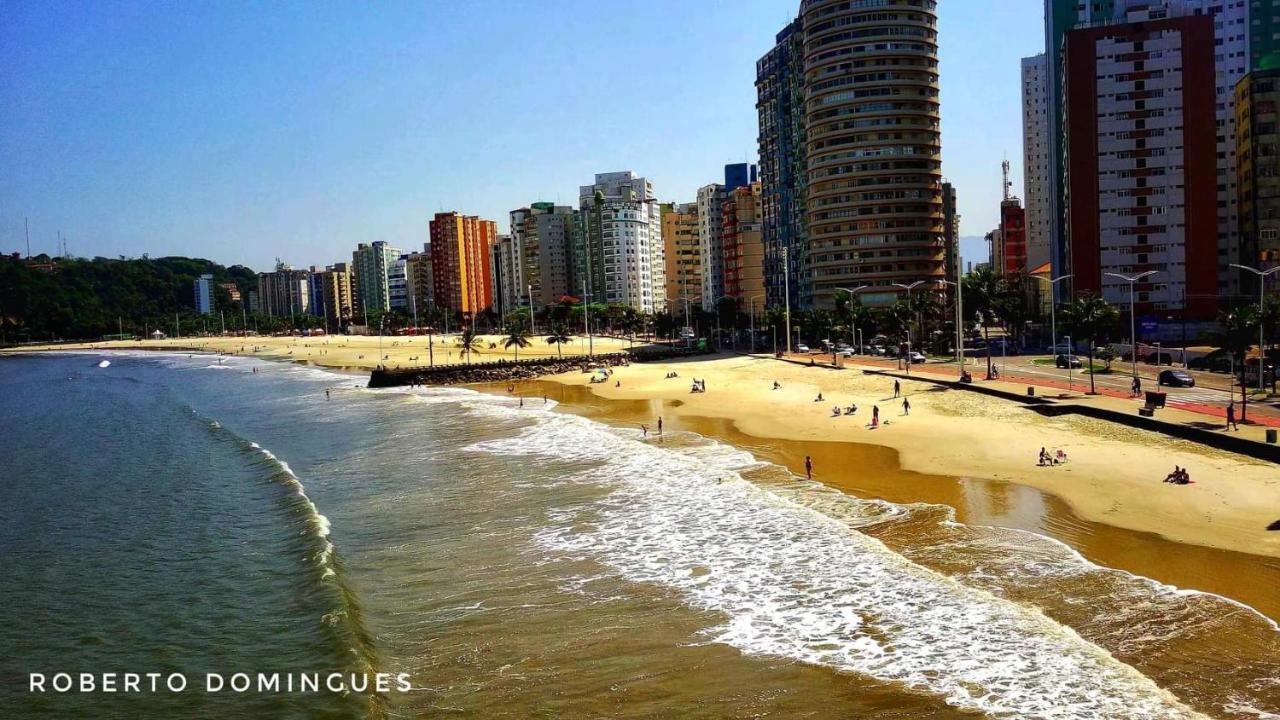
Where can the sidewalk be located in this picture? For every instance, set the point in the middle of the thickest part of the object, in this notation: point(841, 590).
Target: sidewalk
point(1182, 412)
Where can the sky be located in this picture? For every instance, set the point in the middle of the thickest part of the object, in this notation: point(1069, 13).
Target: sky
point(246, 132)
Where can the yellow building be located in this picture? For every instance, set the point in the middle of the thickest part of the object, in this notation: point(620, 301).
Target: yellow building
point(683, 259)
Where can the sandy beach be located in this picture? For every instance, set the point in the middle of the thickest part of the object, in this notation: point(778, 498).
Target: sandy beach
point(1112, 476)
point(358, 351)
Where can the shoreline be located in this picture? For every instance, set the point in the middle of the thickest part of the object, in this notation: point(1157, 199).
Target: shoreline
point(1238, 577)
point(1113, 475)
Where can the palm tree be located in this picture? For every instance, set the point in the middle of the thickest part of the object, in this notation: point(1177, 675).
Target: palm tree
point(1091, 319)
point(517, 337)
point(983, 290)
point(559, 336)
point(469, 342)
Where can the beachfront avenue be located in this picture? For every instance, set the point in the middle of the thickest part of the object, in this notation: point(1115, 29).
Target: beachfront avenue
point(216, 682)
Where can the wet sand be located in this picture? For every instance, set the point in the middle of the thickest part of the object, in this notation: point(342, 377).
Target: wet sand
point(875, 472)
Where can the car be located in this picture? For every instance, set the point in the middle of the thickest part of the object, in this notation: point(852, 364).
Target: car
point(1159, 358)
point(847, 352)
point(877, 350)
point(1068, 361)
point(802, 348)
point(916, 358)
point(1060, 349)
point(1176, 378)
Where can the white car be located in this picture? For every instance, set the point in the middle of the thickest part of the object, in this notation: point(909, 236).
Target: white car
point(802, 348)
point(916, 358)
point(847, 352)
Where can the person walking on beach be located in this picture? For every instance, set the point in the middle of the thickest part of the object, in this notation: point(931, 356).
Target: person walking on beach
point(875, 414)
point(326, 393)
point(808, 467)
point(659, 424)
point(1231, 416)
point(644, 429)
point(897, 388)
point(906, 406)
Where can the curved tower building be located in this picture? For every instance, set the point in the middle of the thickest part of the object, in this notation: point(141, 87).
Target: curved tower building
point(873, 147)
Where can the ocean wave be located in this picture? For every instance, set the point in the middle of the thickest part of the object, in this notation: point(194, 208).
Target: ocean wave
point(793, 576)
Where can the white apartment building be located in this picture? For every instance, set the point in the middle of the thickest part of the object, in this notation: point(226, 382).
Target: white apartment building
point(632, 263)
point(1036, 146)
point(711, 243)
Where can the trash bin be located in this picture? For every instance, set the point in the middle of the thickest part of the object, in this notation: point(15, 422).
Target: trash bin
point(1031, 391)
point(1271, 436)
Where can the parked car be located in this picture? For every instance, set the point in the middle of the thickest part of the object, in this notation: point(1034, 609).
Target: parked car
point(1160, 358)
point(1175, 378)
point(847, 352)
point(1216, 361)
point(877, 350)
point(802, 348)
point(916, 358)
point(1068, 361)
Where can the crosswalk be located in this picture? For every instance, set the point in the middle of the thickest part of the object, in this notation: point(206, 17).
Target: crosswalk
point(1202, 396)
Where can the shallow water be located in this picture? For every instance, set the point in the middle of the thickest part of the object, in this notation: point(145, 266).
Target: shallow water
point(520, 561)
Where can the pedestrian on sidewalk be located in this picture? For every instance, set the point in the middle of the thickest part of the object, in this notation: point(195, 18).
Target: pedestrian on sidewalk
point(1231, 416)
point(1137, 386)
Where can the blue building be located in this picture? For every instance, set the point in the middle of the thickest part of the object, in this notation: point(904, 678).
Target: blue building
point(204, 294)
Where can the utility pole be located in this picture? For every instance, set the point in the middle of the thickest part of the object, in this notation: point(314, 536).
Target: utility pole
point(1133, 322)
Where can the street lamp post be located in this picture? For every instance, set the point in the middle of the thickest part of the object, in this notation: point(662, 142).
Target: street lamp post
point(751, 309)
point(959, 323)
point(854, 329)
point(1262, 298)
point(1133, 322)
point(786, 293)
point(909, 288)
point(1053, 320)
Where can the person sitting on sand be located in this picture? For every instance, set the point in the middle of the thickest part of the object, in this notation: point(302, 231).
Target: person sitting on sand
point(1059, 457)
point(1173, 476)
point(776, 386)
point(835, 411)
point(1044, 458)
point(851, 410)
point(819, 398)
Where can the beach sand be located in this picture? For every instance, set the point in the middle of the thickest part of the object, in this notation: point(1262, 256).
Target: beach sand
point(1113, 474)
point(356, 351)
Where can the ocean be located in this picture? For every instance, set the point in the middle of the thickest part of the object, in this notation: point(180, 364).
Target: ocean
point(189, 515)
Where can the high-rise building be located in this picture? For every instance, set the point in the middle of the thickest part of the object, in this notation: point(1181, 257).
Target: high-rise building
point(1142, 160)
point(503, 263)
point(1264, 35)
point(1036, 146)
point(711, 243)
point(620, 242)
point(204, 294)
point(418, 280)
point(233, 291)
point(329, 291)
point(951, 230)
point(398, 284)
point(743, 244)
point(1235, 25)
point(1011, 256)
point(873, 152)
point(682, 253)
point(461, 262)
point(284, 292)
point(371, 264)
point(1258, 151)
point(780, 105)
point(541, 255)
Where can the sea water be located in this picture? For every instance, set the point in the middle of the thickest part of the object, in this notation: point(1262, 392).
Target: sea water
point(195, 515)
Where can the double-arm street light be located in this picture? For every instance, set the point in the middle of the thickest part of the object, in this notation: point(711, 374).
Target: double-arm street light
point(909, 288)
point(1053, 318)
point(1262, 297)
point(1133, 323)
point(853, 292)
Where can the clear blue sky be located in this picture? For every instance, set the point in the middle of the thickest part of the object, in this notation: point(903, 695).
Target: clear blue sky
point(245, 131)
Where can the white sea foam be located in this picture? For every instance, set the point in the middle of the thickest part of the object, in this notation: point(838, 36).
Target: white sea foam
point(794, 582)
point(318, 523)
